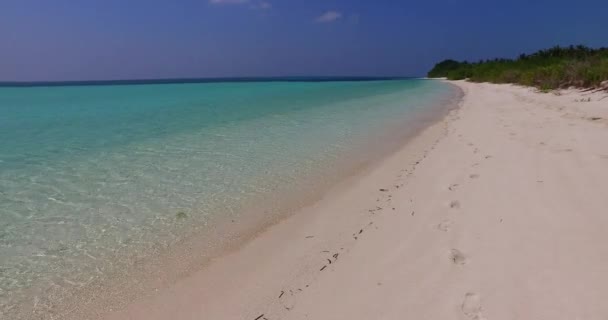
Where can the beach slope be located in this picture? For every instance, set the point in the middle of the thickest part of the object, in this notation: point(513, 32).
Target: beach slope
point(499, 211)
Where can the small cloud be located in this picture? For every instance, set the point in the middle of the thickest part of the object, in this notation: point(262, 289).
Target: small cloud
point(329, 16)
point(261, 5)
point(220, 2)
point(264, 5)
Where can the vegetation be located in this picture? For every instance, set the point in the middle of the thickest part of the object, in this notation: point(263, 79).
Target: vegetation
point(558, 67)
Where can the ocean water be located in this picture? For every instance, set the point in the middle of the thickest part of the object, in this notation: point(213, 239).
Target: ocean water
point(95, 178)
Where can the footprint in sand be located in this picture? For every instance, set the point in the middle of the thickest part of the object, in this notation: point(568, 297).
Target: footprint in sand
point(563, 150)
point(471, 306)
point(444, 226)
point(455, 204)
point(457, 257)
point(288, 299)
point(474, 176)
point(452, 187)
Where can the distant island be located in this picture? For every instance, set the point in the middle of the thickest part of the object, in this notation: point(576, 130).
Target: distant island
point(554, 68)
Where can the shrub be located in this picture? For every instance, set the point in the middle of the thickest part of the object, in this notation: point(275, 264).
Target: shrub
point(557, 67)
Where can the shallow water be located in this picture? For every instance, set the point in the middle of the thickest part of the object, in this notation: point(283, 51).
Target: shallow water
point(92, 174)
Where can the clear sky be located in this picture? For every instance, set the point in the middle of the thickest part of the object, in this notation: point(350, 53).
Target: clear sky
point(137, 39)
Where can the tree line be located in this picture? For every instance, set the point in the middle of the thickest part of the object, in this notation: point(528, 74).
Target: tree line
point(557, 67)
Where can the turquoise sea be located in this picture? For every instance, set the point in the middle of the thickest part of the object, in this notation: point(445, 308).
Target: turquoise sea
point(94, 178)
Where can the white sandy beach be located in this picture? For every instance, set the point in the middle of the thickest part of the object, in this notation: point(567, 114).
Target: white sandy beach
point(499, 211)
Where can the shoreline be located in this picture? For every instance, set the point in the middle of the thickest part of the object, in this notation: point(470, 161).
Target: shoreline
point(282, 230)
point(482, 215)
point(177, 262)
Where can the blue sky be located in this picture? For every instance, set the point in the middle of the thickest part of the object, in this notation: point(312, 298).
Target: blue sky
point(135, 39)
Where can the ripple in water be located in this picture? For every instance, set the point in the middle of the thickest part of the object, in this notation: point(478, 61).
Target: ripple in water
point(94, 179)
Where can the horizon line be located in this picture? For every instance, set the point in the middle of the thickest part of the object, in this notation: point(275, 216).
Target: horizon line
point(51, 83)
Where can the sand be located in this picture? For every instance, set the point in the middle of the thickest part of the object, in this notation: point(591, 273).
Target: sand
point(499, 211)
